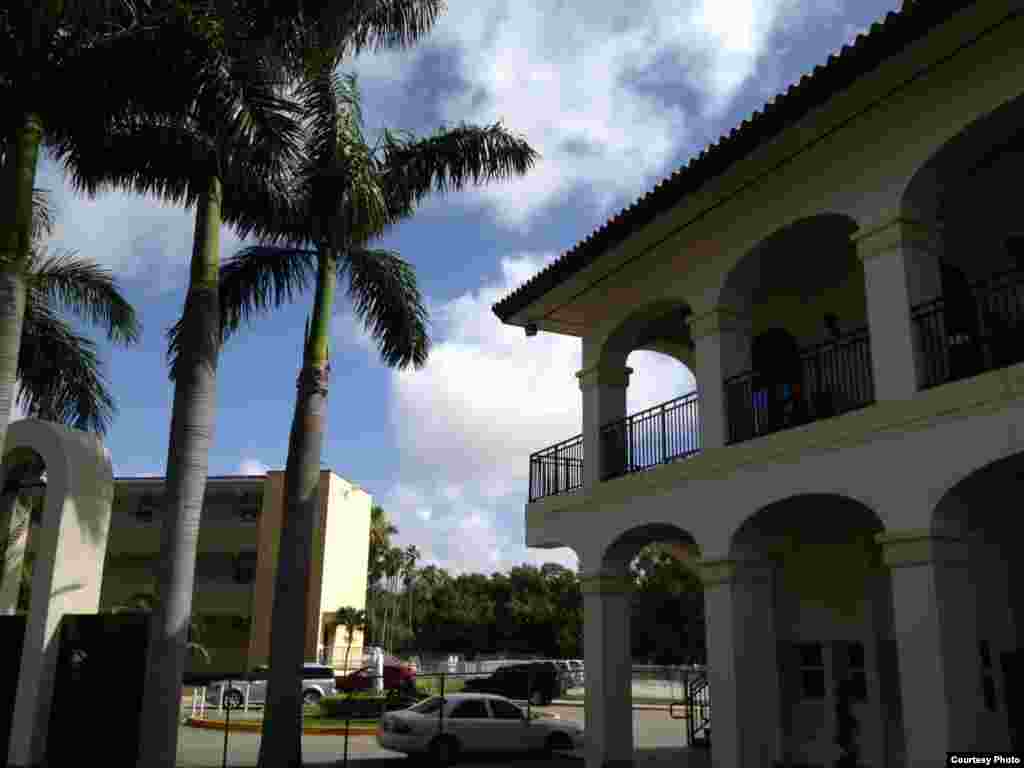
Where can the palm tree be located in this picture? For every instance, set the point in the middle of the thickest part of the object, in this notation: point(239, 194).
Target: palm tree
point(59, 374)
point(51, 53)
point(392, 567)
point(344, 194)
point(352, 619)
point(381, 531)
point(412, 556)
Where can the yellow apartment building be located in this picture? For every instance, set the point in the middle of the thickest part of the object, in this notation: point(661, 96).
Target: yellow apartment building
point(237, 559)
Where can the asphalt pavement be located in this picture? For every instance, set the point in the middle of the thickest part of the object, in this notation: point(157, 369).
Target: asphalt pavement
point(658, 738)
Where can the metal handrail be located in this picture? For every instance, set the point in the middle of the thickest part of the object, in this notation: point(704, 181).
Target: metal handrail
point(986, 338)
point(557, 468)
point(836, 377)
point(657, 435)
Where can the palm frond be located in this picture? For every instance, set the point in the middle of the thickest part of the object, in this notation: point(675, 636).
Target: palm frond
point(85, 289)
point(450, 159)
point(262, 277)
point(61, 375)
point(253, 281)
point(386, 298)
point(44, 214)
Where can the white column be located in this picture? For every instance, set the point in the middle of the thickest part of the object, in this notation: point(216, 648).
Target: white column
point(743, 668)
point(722, 339)
point(934, 622)
point(604, 401)
point(606, 650)
point(901, 270)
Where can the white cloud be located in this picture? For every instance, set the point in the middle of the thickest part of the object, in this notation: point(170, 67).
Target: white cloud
point(467, 423)
point(569, 76)
point(249, 466)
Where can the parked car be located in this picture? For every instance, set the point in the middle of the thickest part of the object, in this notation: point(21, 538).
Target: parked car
point(397, 676)
point(472, 722)
point(537, 681)
point(317, 682)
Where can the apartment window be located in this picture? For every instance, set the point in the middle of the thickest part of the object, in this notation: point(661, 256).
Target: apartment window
point(245, 567)
point(249, 508)
point(855, 670)
point(145, 512)
point(812, 670)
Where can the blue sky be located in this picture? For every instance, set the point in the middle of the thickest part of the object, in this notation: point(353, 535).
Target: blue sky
point(614, 102)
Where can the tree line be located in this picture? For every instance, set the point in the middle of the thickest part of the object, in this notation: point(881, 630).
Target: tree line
point(527, 610)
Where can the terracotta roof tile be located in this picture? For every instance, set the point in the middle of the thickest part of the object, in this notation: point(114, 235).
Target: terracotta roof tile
point(885, 39)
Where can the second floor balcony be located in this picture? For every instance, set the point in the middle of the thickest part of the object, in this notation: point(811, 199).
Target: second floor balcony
point(972, 328)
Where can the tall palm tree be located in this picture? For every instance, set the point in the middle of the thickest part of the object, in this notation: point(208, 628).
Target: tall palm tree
point(51, 53)
point(412, 556)
point(392, 567)
point(345, 194)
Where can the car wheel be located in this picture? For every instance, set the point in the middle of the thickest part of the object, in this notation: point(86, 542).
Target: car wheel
point(557, 741)
point(233, 699)
point(444, 750)
point(311, 698)
point(537, 698)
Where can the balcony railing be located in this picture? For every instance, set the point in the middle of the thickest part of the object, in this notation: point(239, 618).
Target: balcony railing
point(835, 378)
point(980, 332)
point(667, 432)
point(558, 469)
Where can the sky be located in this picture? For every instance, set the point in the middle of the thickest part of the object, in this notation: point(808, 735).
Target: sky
point(614, 102)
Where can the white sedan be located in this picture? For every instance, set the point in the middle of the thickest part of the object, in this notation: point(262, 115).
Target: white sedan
point(472, 722)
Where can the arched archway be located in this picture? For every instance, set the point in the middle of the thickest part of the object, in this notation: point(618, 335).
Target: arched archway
point(810, 584)
point(801, 293)
point(981, 626)
point(612, 586)
point(624, 440)
point(68, 568)
point(967, 286)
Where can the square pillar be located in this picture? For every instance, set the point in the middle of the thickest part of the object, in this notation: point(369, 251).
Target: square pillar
point(604, 401)
point(934, 621)
point(723, 349)
point(901, 270)
point(606, 650)
point(743, 667)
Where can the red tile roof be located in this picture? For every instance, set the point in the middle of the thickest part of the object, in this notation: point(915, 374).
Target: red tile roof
point(885, 39)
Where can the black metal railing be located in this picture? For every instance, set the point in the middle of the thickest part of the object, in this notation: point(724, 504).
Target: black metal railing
point(658, 435)
point(835, 378)
point(558, 469)
point(979, 332)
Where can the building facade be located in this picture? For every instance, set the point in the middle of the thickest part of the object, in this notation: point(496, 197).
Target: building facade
point(844, 276)
point(236, 563)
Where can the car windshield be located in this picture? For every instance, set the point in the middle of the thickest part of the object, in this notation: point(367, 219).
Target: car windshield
point(427, 707)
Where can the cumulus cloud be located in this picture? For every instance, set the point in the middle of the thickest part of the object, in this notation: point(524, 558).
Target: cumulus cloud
point(467, 423)
point(596, 89)
point(250, 466)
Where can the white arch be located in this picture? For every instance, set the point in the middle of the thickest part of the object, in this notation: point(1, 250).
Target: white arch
point(69, 565)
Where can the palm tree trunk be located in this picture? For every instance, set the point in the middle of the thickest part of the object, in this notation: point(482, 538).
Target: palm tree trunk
point(281, 742)
point(192, 422)
point(15, 240)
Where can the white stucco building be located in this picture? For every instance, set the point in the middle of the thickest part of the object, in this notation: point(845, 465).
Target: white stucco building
point(844, 276)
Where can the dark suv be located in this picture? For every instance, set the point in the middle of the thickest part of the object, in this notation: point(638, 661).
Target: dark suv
point(538, 681)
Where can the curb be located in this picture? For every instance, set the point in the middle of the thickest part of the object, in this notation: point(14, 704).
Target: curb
point(215, 725)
